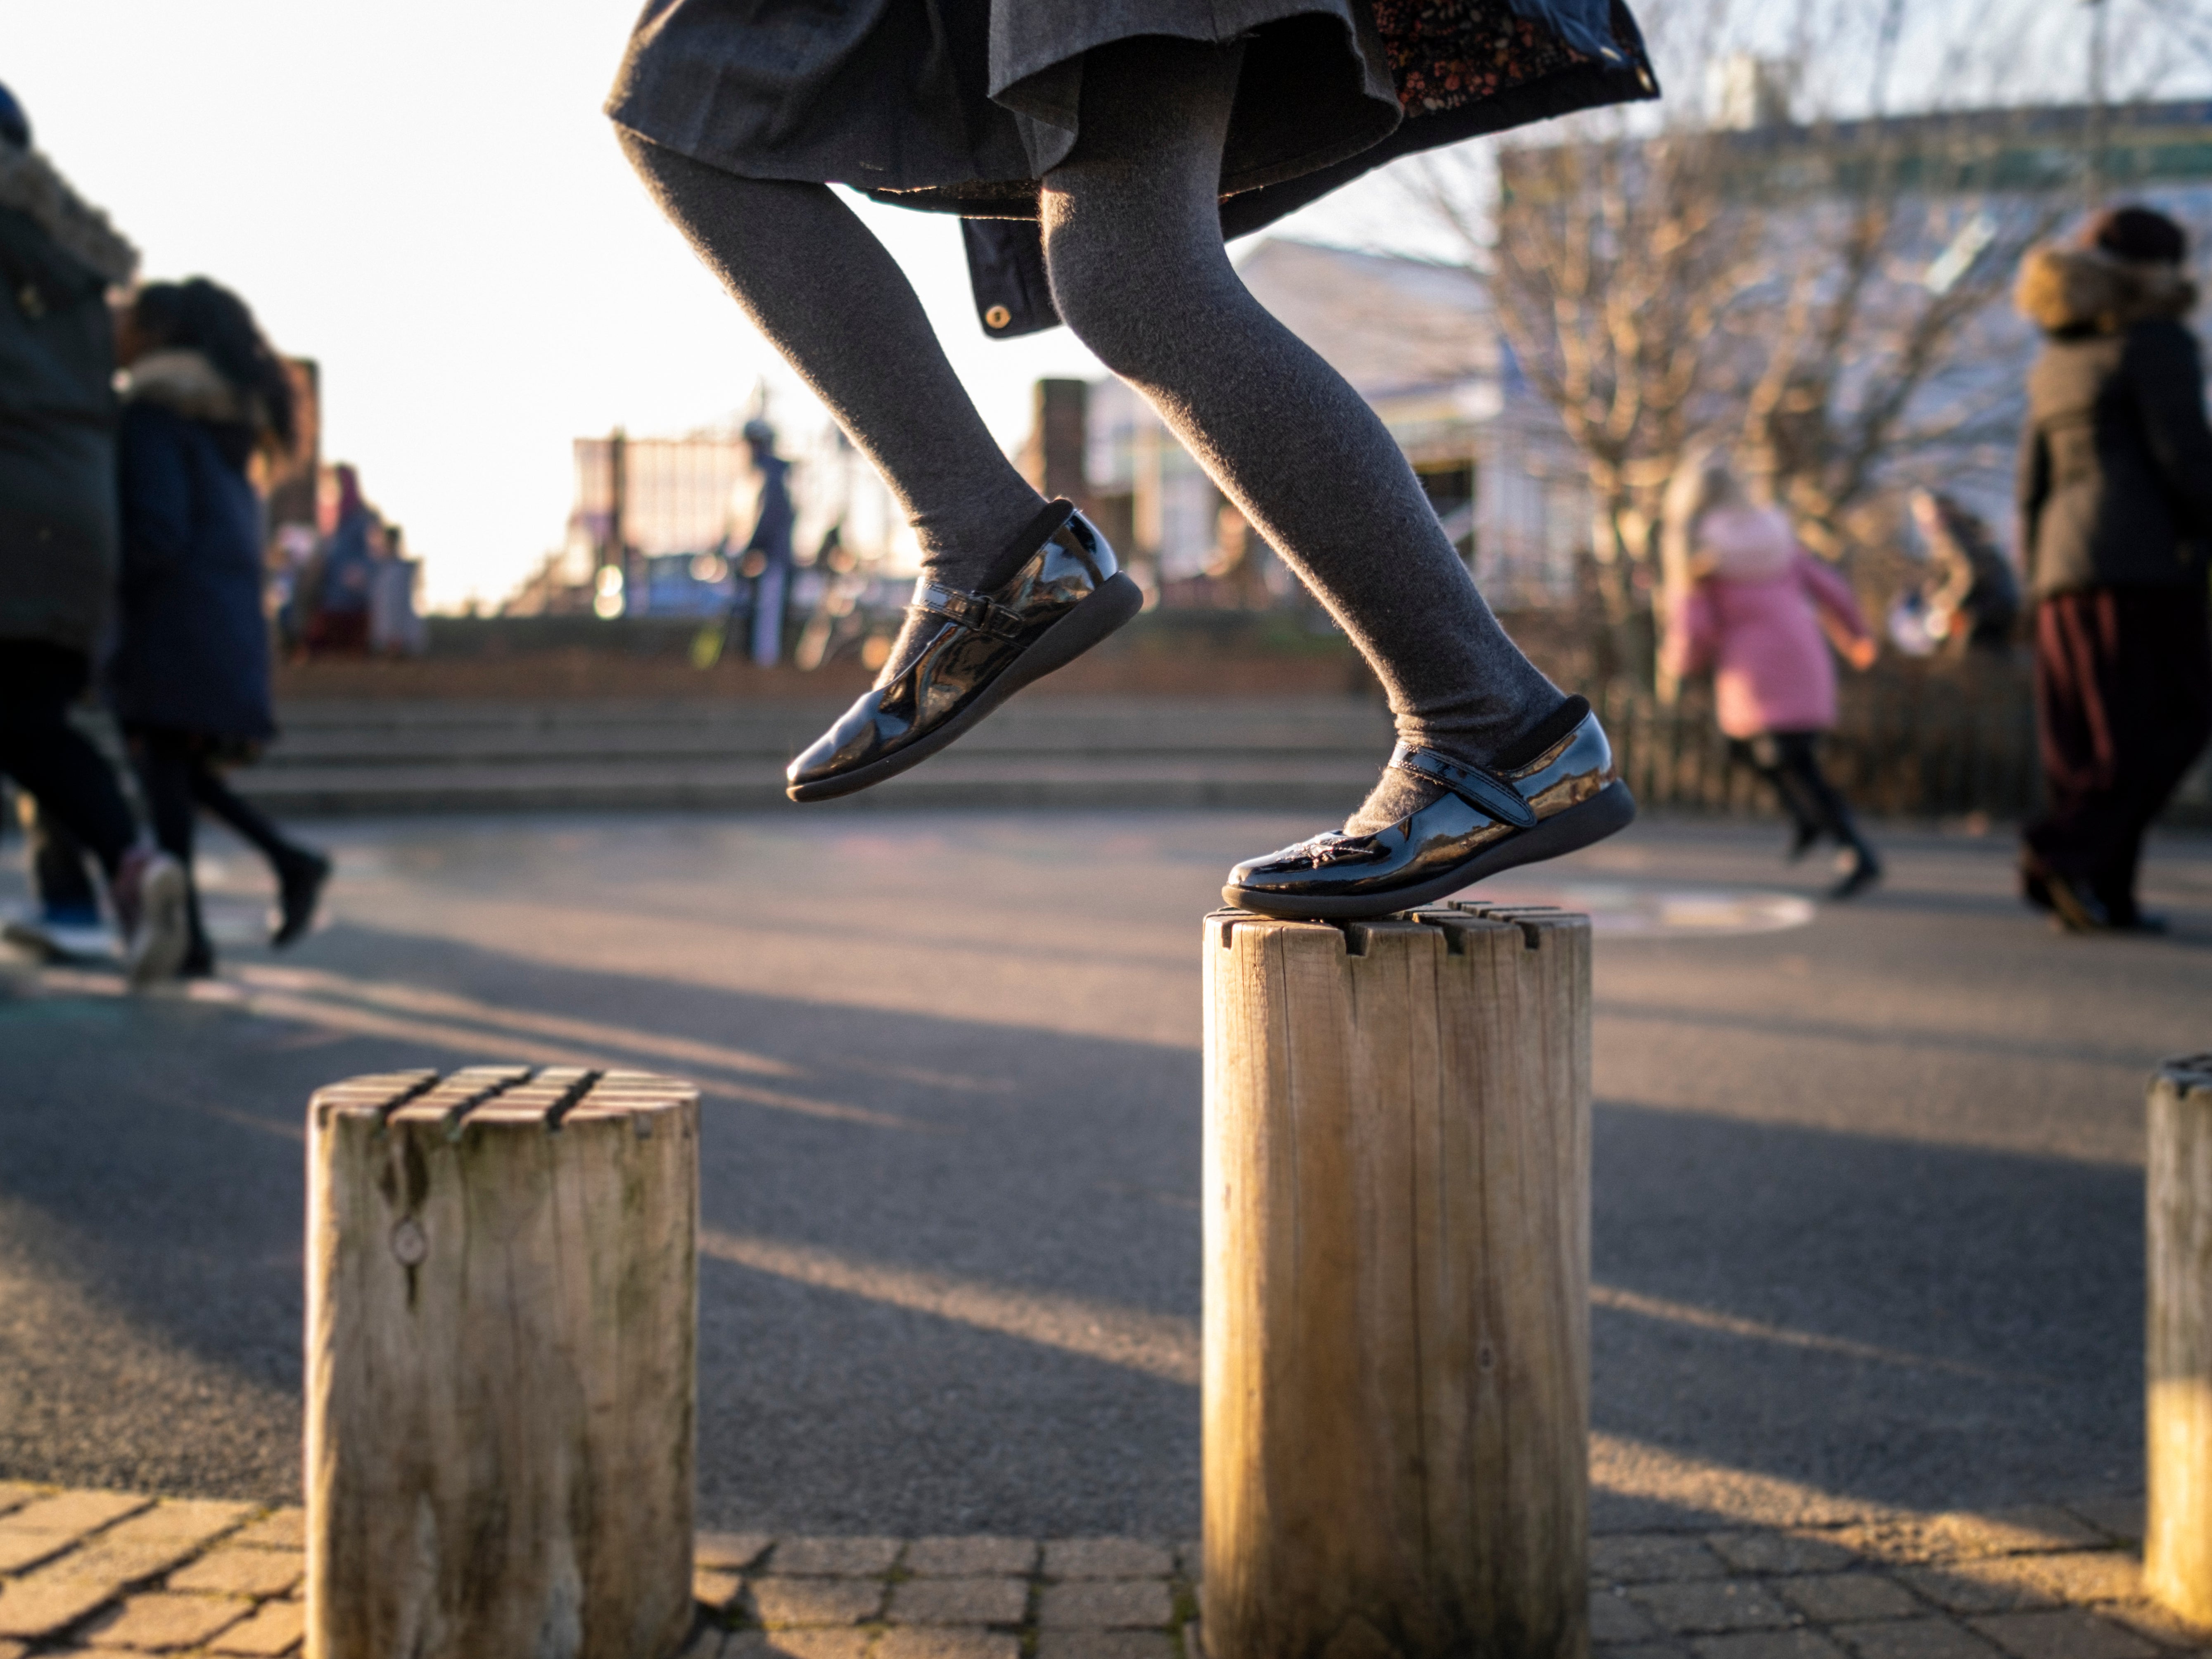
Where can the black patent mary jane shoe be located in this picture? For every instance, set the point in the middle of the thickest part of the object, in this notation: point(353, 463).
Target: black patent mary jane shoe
point(963, 654)
point(1481, 823)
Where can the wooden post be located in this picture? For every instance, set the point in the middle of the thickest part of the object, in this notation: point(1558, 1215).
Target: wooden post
point(2177, 1345)
point(501, 1327)
point(1397, 1286)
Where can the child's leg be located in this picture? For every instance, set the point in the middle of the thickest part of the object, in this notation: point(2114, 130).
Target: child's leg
point(1133, 237)
point(1798, 755)
point(1763, 756)
point(217, 797)
point(164, 761)
point(828, 297)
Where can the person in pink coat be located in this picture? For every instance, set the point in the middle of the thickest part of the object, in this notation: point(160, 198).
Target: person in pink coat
point(1751, 604)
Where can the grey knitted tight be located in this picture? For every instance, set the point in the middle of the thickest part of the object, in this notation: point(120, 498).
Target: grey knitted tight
point(1133, 241)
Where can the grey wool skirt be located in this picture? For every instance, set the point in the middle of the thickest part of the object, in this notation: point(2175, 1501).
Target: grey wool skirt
point(963, 105)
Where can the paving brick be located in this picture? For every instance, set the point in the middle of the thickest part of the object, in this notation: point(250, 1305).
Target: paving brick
point(797, 1644)
point(42, 1604)
point(2162, 1624)
point(1772, 1551)
point(1106, 1558)
point(75, 1513)
point(1614, 1619)
point(2088, 1574)
point(159, 1623)
point(276, 1628)
point(1768, 1644)
point(22, 1550)
point(279, 1529)
point(711, 1586)
point(2004, 1585)
point(191, 1520)
point(1106, 1604)
point(1652, 1559)
point(834, 1558)
point(1190, 1556)
point(960, 1601)
point(237, 1570)
point(731, 1551)
point(119, 1563)
point(1105, 1644)
point(1640, 1651)
point(2069, 1633)
point(2123, 1517)
point(801, 1601)
point(946, 1644)
point(2014, 1531)
point(967, 1558)
point(1916, 1639)
point(1710, 1606)
point(1837, 1598)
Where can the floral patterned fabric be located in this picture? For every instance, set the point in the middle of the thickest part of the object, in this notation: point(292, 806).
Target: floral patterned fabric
point(1447, 53)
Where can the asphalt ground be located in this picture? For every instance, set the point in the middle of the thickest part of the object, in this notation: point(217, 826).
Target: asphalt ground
point(1867, 1178)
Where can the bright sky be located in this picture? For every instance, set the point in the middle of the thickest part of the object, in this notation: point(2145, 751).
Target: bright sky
point(422, 195)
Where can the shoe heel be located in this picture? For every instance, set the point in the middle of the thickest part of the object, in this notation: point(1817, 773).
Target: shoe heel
point(1113, 607)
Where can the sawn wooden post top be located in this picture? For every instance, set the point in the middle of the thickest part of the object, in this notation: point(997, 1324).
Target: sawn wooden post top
point(1451, 920)
point(522, 1097)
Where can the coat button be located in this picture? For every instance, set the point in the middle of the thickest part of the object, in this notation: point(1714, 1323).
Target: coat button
point(997, 317)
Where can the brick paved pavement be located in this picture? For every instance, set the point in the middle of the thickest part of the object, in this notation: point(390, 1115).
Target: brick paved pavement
point(96, 1573)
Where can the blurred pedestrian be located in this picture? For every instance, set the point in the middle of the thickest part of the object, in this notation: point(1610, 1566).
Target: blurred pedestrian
point(2115, 490)
point(191, 671)
point(767, 557)
point(395, 627)
point(58, 531)
point(1973, 602)
point(1752, 606)
point(343, 574)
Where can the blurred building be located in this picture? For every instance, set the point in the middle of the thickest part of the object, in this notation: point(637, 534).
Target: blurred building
point(1418, 342)
point(653, 522)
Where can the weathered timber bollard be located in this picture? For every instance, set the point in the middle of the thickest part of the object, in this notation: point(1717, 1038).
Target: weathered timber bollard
point(502, 1317)
point(2178, 1342)
point(1397, 1286)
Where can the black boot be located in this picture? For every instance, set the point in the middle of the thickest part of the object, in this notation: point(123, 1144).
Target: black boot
point(300, 878)
point(1860, 873)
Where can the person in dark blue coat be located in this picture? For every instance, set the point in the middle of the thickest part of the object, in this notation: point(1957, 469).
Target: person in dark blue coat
point(190, 674)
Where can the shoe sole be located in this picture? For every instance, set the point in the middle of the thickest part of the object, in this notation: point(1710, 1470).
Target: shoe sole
point(1115, 603)
point(1607, 813)
point(164, 927)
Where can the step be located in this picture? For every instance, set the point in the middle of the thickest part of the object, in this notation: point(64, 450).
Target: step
point(398, 758)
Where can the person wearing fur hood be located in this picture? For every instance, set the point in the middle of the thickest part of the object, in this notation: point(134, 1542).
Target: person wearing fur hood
point(2115, 499)
point(58, 532)
point(189, 678)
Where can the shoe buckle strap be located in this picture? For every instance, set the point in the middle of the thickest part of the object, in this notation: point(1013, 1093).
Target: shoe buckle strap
point(969, 610)
point(1478, 788)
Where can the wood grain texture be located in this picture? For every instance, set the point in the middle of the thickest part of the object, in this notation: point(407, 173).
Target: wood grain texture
point(1396, 1374)
point(2178, 1338)
point(501, 1327)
